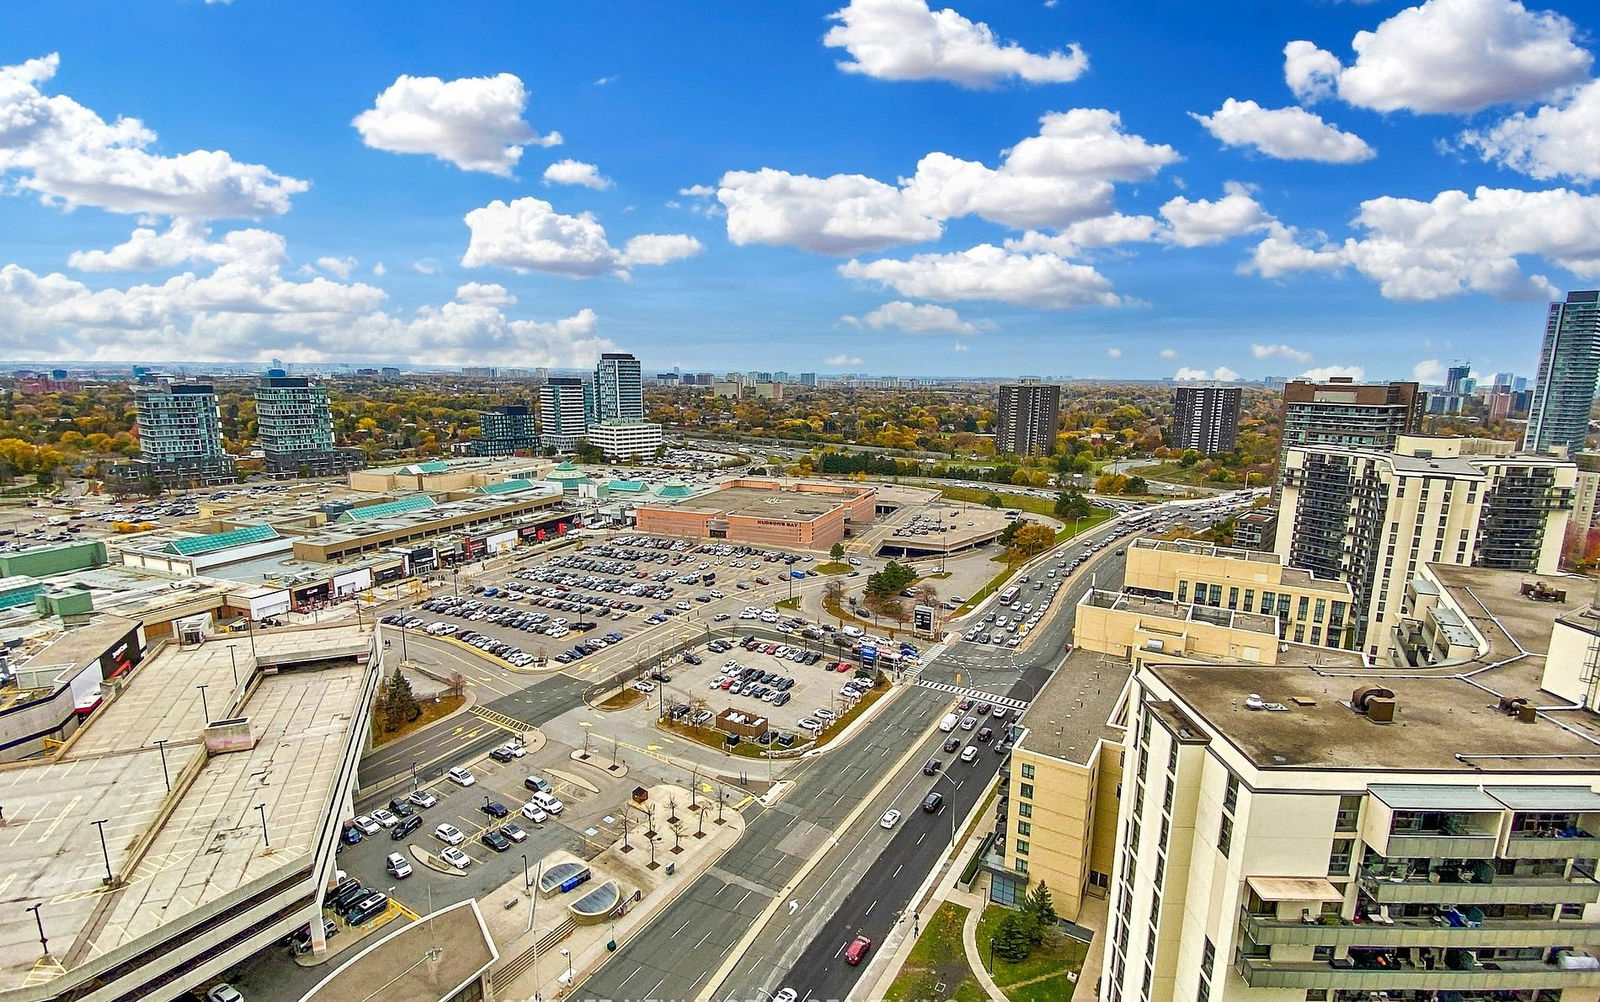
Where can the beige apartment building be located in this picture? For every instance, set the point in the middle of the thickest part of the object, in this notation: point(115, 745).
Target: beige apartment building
point(1213, 592)
point(1372, 519)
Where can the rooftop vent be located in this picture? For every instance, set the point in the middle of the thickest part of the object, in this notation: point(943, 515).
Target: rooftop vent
point(1374, 702)
point(1254, 702)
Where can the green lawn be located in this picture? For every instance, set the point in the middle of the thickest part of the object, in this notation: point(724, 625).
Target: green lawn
point(1021, 502)
point(1177, 473)
point(937, 958)
point(1043, 975)
point(832, 567)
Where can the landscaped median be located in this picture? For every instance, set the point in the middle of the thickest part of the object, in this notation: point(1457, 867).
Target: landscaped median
point(713, 738)
point(937, 967)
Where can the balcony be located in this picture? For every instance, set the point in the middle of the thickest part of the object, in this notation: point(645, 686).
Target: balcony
point(1553, 889)
point(1338, 974)
point(1580, 845)
point(1442, 844)
point(1268, 930)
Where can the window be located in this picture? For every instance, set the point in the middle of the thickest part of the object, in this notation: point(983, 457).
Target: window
point(1027, 771)
point(1304, 603)
point(1339, 858)
point(1208, 960)
point(1022, 866)
point(1024, 828)
point(1349, 813)
point(1230, 796)
point(1266, 603)
point(1026, 792)
point(1024, 810)
point(1319, 609)
point(1225, 837)
point(1233, 598)
point(1022, 847)
point(1183, 591)
point(1172, 757)
point(1216, 594)
point(1249, 599)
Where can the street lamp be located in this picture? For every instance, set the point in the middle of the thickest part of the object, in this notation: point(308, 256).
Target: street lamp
point(233, 662)
point(165, 776)
point(44, 944)
point(262, 808)
point(204, 709)
point(416, 783)
point(565, 953)
point(101, 826)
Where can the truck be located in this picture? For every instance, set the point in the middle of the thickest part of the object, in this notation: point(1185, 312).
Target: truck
point(949, 722)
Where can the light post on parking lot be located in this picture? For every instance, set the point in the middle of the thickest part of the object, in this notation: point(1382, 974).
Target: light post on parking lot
point(44, 944)
point(161, 744)
point(204, 709)
point(568, 954)
point(233, 662)
point(101, 825)
point(415, 782)
point(265, 840)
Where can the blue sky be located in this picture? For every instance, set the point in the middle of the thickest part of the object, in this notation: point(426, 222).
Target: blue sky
point(1077, 189)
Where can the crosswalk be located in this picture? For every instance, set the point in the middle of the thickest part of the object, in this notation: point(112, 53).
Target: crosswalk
point(502, 721)
point(1016, 704)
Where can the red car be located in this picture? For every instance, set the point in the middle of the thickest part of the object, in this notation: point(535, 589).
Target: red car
point(856, 952)
point(844, 666)
point(762, 581)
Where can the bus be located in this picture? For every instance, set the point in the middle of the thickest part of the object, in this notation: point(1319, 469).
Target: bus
point(1010, 595)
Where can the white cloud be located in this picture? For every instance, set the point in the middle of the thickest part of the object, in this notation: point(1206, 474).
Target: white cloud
point(474, 122)
point(842, 214)
point(1284, 133)
point(1326, 372)
point(489, 293)
point(1280, 351)
point(527, 234)
point(340, 267)
point(923, 318)
point(1221, 373)
point(183, 242)
point(841, 359)
point(905, 40)
point(1168, 353)
point(1200, 222)
point(379, 270)
point(1114, 352)
point(426, 266)
point(576, 172)
point(1060, 177)
point(1456, 243)
point(660, 248)
point(246, 309)
point(68, 155)
point(987, 272)
point(1445, 56)
point(605, 81)
point(1429, 372)
point(958, 346)
point(1562, 139)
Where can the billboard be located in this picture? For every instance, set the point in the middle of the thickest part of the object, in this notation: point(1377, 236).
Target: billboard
point(922, 618)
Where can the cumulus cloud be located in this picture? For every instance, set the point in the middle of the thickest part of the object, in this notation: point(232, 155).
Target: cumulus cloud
point(1114, 352)
point(842, 359)
point(1198, 222)
point(68, 155)
point(473, 122)
point(1284, 133)
point(1324, 373)
point(337, 266)
point(1445, 56)
point(920, 318)
point(906, 40)
point(1456, 243)
point(379, 270)
point(184, 241)
point(1221, 373)
point(427, 266)
point(527, 234)
point(1168, 353)
point(1429, 372)
point(987, 272)
point(245, 309)
point(1063, 175)
point(576, 172)
point(1280, 351)
point(1561, 139)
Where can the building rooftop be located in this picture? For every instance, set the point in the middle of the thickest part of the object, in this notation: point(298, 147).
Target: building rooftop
point(1436, 718)
point(1497, 610)
point(423, 961)
point(1205, 549)
point(1072, 712)
point(789, 504)
point(207, 840)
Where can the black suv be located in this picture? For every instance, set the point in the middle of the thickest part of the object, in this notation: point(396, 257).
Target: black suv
point(496, 841)
point(495, 809)
point(405, 827)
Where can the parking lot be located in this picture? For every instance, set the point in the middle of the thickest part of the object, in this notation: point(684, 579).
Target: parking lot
point(591, 802)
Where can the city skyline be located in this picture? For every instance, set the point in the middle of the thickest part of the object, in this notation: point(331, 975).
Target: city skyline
point(494, 188)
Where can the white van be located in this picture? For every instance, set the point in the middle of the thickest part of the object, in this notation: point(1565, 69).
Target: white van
point(850, 631)
point(949, 722)
point(460, 776)
point(549, 803)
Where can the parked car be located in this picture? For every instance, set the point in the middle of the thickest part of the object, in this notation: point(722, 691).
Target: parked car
point(449, 834)
point(460, 776)
point(494, 808)
point(422, 798)
point(455, 857)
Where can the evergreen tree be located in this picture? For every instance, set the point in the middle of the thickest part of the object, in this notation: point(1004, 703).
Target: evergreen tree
point(1012, 940)
point(400, 704)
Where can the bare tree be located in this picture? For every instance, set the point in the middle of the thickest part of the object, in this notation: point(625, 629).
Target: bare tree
point(458, 684)
point(672, 808)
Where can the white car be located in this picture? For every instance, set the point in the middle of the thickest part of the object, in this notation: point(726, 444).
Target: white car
point(455, 857)
point(890, 818)
point(644, 686)
point(548, 803)
point(365, 825)
point(514, 749)
point(385, 818)
point(460, 776)
point(786, 995)
point(422, 798)
point(533, 812)
point(449, 834)
point(224, 993)
point(969, 753)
